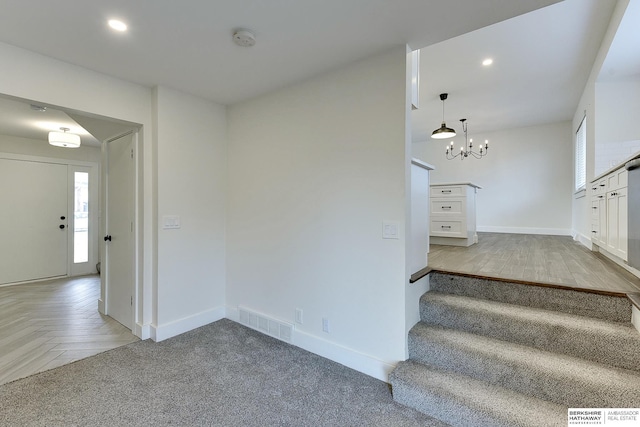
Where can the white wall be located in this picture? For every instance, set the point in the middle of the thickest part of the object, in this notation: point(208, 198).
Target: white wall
point(587, 105)
point(314, 169)
point(192, 165)
point(33, 147)
point(525, 179)
point(616, 130)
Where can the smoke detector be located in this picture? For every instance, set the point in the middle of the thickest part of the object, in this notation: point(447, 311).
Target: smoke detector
point(244, 38)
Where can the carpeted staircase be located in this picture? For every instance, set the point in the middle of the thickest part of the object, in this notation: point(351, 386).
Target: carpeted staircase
point(494, 353)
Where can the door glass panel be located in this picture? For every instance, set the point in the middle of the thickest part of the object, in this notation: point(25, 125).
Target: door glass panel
point(81, 217)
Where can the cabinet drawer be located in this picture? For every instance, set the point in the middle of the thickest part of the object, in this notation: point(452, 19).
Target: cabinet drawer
point(447, 228)
point(599, 186)
point(595, 209)
point(441, 207)
point(448, 191)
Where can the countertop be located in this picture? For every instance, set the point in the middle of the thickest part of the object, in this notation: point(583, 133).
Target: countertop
point(458, 183)
point(615, 168)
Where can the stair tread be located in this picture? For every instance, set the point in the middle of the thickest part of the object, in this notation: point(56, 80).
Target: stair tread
point(608, 342)
point(545, 374)
point(532, 313)
point(595, 304)
point(459, 399)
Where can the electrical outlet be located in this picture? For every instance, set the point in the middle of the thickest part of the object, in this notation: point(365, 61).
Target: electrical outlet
point(299, 318)
point(325, 324)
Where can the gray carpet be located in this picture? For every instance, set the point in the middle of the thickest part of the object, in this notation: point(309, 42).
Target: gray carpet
point(222, 374)
point(493, 353)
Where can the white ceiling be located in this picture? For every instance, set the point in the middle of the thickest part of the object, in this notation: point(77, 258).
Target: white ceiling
point(187, 45)
point(542, 61)
point(542, 58)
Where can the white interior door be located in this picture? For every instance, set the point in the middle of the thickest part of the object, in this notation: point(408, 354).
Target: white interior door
point(33, 220)
point(119, 247)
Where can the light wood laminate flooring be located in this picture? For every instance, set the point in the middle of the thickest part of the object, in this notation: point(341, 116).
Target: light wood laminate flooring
point(557, 260)
point(49, 324)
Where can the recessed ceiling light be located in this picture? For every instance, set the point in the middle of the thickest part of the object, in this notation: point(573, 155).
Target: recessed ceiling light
point(117, 25)
point(487, 62)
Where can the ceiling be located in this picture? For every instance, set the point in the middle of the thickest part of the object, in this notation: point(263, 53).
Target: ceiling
point(542, 61)
point(542, 58)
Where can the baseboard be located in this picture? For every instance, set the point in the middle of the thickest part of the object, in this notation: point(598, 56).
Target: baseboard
point(583, 240)
point(618, 261)
point(525, 230)
point(101, 308)
point(142, 331)
point(348, 357)
point(635, 317)
point(177, 327)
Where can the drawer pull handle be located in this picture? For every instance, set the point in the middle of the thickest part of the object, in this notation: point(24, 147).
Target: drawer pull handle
point(446, 207)
point(594, 188)
point(595, 207)
point(446, 191)
point(614, 194)
point(445, 226)
point(594, 231)
point(602, 185)
point(600, 197)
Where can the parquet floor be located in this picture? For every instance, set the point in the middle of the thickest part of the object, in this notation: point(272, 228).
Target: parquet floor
point(48, 324)
point(548, 259)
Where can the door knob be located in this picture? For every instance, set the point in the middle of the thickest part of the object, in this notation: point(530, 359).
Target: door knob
point(107, 238)
point(61, 226)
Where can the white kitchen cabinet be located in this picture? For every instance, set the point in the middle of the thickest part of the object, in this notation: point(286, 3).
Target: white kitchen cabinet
point(453, 214)
point(609, 213)
point(617, 222)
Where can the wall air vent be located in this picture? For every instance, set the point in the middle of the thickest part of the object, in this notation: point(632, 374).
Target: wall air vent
point(267, 325)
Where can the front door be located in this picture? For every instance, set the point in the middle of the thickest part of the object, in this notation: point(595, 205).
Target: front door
point(33, 220)
point(119, 247)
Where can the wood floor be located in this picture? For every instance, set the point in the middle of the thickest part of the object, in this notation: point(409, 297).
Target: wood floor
point(48, 324)
point(557, 260)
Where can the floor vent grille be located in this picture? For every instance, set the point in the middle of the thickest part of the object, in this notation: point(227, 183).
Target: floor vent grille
point(267, 325)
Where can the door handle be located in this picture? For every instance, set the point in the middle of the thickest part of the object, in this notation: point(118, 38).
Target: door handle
point(107, 238)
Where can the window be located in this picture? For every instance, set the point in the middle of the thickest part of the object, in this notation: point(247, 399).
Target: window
point(581, 155)
point(81, 217)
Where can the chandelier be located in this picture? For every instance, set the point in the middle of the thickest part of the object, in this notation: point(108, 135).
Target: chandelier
point(467, 150)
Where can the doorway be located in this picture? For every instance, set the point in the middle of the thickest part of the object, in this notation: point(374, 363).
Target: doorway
point(37, 224)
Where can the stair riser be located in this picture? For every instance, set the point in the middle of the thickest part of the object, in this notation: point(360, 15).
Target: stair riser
point(555, 386)
point(612, 308)
point(586, 344)
point(462, 401)
point(441, 407)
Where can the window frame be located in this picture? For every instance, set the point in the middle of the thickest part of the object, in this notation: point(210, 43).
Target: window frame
point(580, 152)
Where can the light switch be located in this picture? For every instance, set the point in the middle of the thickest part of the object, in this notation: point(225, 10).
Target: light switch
point(170, 222)
point(390, 230)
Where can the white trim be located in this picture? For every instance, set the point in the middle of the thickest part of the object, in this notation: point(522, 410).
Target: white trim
point(351, 358)
point(142, 331)
point(635, 317)
point(41, 159)
point(423, 165)
point(582, 239)
point(618, 261)
point(180, 326)
point(101, 307)
point(526, 230)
